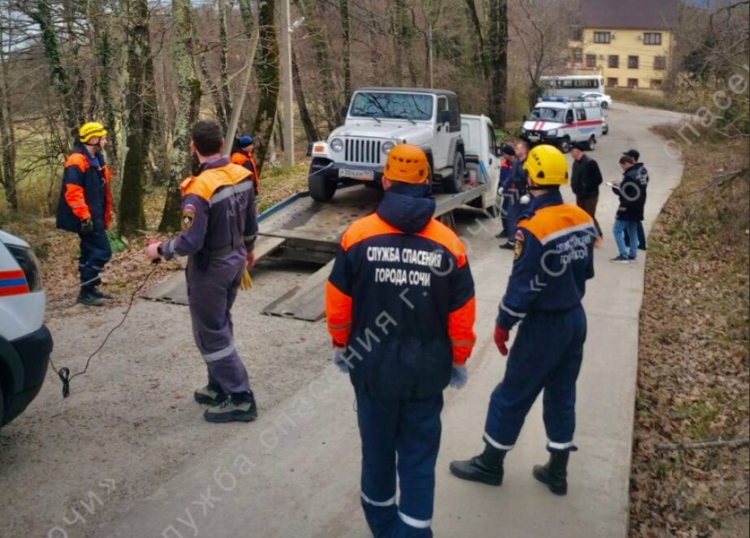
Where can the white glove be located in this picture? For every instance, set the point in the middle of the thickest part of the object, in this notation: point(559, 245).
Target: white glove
point(339, 359)
point(459, 377)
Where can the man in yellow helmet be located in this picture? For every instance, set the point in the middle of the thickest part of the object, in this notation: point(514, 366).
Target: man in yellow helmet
point(85, 208)
point(554, 260)
point(401, 311)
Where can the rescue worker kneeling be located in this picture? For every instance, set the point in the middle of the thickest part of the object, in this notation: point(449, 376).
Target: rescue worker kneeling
point(554, 259)
point(401, 312)
point(219, 228)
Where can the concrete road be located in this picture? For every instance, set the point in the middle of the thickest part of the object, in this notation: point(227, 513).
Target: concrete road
point(295, 472)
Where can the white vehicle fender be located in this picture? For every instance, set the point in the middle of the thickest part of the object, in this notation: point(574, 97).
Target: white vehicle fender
point(322, 150)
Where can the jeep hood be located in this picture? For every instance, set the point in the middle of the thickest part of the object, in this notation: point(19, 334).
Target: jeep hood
point(386, 130)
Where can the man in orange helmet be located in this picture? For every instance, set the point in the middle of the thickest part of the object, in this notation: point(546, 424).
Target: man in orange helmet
point(243, 154)
point(401, 311)
point(85, 208)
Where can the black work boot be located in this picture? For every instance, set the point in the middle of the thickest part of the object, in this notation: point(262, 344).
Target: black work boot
point(88, 298)
point(237, 408)
point(555, 473)
point(102, 295)
point(210, 395)
point(487, 468)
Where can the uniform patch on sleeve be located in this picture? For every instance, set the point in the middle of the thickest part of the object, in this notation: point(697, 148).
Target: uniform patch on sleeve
point(520, 239)
point(188, 217)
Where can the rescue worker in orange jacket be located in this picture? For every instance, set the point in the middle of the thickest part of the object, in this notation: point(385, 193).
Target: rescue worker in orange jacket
point(243, 154)
point(401, 311)
point(85, 208)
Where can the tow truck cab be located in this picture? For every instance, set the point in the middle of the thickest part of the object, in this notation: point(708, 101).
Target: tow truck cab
point(25, 343)
point(561, 121)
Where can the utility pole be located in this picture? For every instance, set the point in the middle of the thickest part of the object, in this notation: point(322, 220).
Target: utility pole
point(287, 83)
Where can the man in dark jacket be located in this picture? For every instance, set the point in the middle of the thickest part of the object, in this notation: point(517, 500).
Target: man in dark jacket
point(587, 178)
point(506, 171)
point(401, 309)
point(644, 178)
point(632, 193)
point(219, 229)
point(518, 187)
point(85, 208)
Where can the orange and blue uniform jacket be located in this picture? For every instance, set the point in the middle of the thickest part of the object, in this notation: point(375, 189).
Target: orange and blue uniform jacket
point(554, 259)
point(248, 162)
point(86, 192)
point(401, 299)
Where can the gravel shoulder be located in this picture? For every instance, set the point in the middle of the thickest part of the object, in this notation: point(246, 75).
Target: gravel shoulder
point(131, 422)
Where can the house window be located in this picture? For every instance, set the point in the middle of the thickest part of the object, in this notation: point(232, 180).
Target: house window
point(634, 62)
point(660, 63)
point(602, 37)
point(657, 84)
point(577, 56)
point(613, 82)
point(591, 60)
point(633, 83)
point(614, 62)
point(578, 34)
point(651, 38)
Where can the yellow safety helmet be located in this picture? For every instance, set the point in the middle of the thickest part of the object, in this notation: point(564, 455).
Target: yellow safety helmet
point(407, 164)
point(547, 166)
point(91, 130)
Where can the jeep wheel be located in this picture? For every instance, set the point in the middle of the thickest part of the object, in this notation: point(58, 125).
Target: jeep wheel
point(322, 189)
point(565, 145)
point(455, 183)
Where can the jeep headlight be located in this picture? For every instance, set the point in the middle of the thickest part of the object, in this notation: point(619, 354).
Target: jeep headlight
point(387, 147)
point(337, 145)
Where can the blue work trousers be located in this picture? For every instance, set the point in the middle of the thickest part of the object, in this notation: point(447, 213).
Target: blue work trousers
point(546, 357)
point(95, 254)
point(399, 440)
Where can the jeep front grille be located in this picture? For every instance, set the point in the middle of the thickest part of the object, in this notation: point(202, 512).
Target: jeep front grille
point(363, 151)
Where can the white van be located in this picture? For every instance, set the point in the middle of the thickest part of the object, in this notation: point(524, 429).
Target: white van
point(25, 343)
point(561, 122)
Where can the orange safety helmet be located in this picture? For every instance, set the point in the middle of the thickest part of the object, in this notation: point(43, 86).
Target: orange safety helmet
point(407, 164)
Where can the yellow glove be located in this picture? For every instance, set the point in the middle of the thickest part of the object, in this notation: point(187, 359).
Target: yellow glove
point(247, 281)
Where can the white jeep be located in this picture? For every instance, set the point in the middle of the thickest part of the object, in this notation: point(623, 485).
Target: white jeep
point(376, 121)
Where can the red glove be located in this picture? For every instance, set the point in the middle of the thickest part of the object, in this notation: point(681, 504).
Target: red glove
point(501, 340)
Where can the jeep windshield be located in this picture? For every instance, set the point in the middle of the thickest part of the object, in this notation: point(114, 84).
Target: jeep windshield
point(392, 106)
point(548, 114)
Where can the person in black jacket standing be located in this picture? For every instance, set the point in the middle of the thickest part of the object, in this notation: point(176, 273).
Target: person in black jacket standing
point(632, 193)
point(587, 178)
point(643, 176)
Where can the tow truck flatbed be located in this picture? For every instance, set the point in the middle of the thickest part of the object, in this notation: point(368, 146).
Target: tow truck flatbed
point(302, 229)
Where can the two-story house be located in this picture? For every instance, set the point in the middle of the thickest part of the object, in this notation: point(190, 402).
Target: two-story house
point(630, 43)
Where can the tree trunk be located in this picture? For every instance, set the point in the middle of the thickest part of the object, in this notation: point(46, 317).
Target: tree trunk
point(105, 54)
point(498, 61)
point(268, 81)
point(482, 59)
point(346, 26)
point(311, 131)
point(189, 96)
point(226, 93)
point(42, 16)
point(7, 135)
point(131, 215)
point(323, 62)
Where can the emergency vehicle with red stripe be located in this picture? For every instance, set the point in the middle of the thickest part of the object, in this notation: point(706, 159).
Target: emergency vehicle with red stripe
point(25, 343)
point(562, 121)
